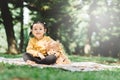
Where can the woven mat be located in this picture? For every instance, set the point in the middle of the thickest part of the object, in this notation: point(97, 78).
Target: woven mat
point(74, 66)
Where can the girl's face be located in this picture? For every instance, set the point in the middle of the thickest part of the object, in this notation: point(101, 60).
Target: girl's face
point(38, 31)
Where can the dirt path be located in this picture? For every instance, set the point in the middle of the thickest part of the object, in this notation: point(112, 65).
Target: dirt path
point(74, 66)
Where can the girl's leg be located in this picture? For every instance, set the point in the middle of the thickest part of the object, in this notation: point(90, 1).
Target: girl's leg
point(27, 56)
point(50, 59)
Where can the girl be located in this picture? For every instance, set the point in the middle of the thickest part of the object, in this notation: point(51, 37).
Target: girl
point(42, 49)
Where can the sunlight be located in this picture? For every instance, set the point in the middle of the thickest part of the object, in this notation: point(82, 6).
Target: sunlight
point(26, 18)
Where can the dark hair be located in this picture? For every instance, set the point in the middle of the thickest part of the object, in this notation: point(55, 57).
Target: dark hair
point(38, 22)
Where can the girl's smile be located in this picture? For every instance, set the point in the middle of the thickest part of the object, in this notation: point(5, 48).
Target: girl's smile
point(38, 31)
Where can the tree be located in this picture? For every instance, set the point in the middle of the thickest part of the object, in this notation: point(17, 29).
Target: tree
point(21, 31)
point(7, 21)
point(76, 23)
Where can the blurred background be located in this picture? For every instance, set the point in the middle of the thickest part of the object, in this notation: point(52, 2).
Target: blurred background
point(84, 27)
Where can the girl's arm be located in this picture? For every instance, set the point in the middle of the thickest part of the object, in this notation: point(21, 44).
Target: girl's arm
point(30, 49)
point(41, 55)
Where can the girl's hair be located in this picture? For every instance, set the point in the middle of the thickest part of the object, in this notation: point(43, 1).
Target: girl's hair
point(38, 22)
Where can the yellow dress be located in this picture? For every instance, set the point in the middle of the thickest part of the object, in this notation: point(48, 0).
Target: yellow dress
point(39, 46)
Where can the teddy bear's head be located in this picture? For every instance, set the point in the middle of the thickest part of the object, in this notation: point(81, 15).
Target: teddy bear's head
point(53, 47)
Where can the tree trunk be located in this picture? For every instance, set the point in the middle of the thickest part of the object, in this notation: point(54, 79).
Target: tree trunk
point(7, 21)
point(22, 31)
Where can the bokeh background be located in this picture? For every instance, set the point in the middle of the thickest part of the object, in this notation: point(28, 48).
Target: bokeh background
point(84, 27)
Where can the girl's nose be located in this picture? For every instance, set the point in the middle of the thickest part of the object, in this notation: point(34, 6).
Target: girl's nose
point(38, 30)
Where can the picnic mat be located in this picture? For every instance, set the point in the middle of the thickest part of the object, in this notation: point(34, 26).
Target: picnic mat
point(74, 66)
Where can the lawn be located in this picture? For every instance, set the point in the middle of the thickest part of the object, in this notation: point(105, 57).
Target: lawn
point(13, 72)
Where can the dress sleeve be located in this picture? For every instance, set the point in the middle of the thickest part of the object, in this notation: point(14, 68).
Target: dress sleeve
point(30, 48)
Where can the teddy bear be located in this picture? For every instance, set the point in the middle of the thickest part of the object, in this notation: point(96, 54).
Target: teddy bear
point(55, 47)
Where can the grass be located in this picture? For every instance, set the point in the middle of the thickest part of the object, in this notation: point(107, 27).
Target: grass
point(10, 55)
point(13, 72)
point(98, 59)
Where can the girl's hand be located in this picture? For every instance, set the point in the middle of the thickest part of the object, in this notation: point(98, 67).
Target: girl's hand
point(41, 55)
point(53, 52)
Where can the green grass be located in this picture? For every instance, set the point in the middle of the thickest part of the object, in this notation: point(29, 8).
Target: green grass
point(10, 55)
point(11, 72)
point(98, 59)
point(14, 72)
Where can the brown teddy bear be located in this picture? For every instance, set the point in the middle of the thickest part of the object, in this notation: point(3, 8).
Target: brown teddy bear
point(54, 47)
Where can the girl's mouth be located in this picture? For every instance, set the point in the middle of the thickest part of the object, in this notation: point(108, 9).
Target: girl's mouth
point(37, 33)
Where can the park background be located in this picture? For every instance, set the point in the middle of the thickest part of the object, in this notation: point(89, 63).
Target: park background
point(84, 27)
point(88, 29)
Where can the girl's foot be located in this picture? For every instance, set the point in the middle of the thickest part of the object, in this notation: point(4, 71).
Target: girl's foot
point(30, 62)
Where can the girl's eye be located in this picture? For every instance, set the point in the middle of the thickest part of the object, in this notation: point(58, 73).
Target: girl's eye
point(35, 29)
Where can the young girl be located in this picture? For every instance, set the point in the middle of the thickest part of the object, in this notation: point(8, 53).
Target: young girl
point(42, 49)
